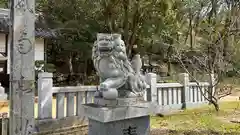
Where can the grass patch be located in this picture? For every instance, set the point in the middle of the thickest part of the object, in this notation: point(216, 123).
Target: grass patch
point(205, 118)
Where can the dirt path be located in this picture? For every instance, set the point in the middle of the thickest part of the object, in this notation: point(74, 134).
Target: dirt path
point(233, 97)
point(230, 98)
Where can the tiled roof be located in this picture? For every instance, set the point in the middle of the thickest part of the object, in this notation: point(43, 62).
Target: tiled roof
point(39, 31)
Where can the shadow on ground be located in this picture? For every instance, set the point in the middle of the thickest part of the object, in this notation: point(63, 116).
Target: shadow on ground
point(189, 132)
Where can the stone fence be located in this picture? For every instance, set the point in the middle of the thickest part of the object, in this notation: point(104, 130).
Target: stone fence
point(69, 100)
point(60, 109)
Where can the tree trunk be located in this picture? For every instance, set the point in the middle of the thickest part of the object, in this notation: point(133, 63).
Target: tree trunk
point(85, 69)
point(135, 23)
point(126, 24)
point(70, 65)
point(213, 99)
point(191, 29)
point(216, 105)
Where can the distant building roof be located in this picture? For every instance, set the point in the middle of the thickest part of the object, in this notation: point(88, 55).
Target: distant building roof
point(39, 30)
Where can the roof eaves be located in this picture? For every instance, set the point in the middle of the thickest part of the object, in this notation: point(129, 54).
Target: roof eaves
point(39, 32)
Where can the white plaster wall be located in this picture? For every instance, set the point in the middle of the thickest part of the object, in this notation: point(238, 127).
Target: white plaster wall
point(39, 49)
point(8, 61)
point(2, 42)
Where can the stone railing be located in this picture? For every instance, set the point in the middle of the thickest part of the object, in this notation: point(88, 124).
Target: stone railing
point(69, 100)
point(176, 96)
point(60, 109)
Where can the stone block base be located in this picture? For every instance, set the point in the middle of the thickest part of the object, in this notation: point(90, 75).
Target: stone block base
point(123, 116)
point(134, 126)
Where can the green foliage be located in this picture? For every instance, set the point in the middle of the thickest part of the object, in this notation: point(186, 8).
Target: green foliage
point(42, 66)
point(163, 30)
point(77, 22)
point(3, 3)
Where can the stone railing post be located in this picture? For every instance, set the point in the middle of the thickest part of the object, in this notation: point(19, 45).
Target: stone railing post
point(151, 79)
point(45, 84)
point(184, 80)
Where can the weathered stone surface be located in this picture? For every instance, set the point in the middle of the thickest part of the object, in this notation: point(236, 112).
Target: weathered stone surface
point(74, 130)
point(45, 84)
point(22, 75)
point(133, 126)
point(119, 101)
point(54, 124)
point(118, 76)
point(66, 126)
point(112, 111)
point(119, 107)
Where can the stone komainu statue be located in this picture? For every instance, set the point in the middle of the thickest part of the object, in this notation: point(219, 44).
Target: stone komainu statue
point(118, 76)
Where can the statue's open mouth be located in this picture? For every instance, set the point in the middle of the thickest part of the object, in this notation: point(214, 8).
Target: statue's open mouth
point(105, 49)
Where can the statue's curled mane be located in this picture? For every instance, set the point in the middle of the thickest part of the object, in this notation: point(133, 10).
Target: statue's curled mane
point(118, 76)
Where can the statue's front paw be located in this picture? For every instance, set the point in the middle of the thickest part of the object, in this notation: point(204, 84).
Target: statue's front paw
point(111, 94)
point(141, 94)
point(143, 86)
point(98, 94)
point(130, 94)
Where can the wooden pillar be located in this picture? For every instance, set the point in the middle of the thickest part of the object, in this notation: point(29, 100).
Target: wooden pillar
point(22, 75)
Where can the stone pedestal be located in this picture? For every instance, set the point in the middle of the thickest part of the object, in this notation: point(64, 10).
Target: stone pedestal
point(126, 116)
